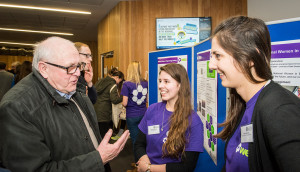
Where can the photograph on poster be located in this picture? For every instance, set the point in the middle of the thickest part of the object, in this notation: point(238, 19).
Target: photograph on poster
point(296, 91)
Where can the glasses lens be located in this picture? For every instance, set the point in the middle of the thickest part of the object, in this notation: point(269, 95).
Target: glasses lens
point(82, 66)
point(72, 69)
point(87, 55)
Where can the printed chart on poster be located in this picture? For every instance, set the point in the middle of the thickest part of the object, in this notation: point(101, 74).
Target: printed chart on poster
point(285, 64)
point(161, 61)
point(207, 102)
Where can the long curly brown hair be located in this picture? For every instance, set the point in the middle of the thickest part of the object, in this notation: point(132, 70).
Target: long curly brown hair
point(179, 121)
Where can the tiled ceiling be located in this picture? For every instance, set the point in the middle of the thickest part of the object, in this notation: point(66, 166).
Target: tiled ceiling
point(84, 27)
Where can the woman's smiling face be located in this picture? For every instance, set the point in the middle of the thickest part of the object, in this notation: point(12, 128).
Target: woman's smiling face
point(168, 87)
point(230, 74)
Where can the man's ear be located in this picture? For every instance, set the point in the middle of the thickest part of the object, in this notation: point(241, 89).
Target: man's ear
point(43, 68)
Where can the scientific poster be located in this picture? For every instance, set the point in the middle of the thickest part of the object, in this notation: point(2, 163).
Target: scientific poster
point(285, 64)
point(161, 61)
point(207, 102)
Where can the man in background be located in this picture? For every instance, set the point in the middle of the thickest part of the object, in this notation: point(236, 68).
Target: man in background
point(85, 83)
point(46, 125)
point(14, 66)
point(7, 80)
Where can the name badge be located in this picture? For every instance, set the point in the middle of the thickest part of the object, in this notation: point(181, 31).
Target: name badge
point(247, 133)
point(154, 129)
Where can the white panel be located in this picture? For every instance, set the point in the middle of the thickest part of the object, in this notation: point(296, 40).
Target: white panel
point(271, 10)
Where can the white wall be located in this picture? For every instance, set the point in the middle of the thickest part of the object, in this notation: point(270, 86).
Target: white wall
point(271, 10)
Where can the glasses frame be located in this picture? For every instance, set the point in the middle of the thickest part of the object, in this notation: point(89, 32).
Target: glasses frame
point(87, 55)
point(67, 68)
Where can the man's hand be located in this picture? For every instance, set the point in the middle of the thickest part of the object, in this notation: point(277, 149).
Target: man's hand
point(109, 151)
point(88, 74)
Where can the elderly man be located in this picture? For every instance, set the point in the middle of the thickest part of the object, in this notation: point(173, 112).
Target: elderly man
point(45, 125)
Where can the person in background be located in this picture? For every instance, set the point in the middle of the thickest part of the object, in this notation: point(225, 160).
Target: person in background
point(14, 66)
point(25, 69)
point(122, 122)
point(46, 125)
point(106, 97)
point(7, 80)
point(261, 128)
point(134, 91)
point(111, 71)
point(85, 83)
point(171, 133)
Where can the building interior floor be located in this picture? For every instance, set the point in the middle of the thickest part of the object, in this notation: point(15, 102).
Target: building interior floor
point(123, 162)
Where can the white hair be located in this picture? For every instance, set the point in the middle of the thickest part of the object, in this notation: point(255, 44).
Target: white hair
point(50, 49)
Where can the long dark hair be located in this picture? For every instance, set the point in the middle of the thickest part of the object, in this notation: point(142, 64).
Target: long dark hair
point(121, 76)
point(246, 40)
point(179, 121)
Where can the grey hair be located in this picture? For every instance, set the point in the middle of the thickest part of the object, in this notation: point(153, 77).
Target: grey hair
point(49, 49)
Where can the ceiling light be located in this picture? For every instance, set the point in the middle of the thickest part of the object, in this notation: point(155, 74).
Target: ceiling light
point(17, 43)
point(44, 8)
point(36, 31)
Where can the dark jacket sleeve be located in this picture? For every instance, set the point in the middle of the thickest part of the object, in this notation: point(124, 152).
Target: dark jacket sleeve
point(188, 162)
point(115, 98)
point(92, 93)
point(23, 146)
point(140, 145)
point(276, 120)
point(281, 128)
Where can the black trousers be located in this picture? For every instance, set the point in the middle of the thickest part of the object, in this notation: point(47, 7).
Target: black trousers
point(104, 127)
point(107, 167)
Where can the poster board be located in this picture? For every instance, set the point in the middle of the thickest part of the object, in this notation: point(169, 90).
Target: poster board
point(285, 55)
point(213, 112)
point(159, 58)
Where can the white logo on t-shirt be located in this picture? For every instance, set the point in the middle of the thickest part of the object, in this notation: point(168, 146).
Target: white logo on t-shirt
point(238, 147)
point(135, 93)
point(165, 139)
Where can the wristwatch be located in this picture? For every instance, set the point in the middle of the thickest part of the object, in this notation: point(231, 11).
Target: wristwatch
point(148, 168)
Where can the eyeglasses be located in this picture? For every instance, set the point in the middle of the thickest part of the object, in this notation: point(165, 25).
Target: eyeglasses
point(71, 69)
point(87, 55)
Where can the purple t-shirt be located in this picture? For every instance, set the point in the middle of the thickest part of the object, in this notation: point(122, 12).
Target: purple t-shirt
point(154, 117)
point(237, 152)
point(137, 98)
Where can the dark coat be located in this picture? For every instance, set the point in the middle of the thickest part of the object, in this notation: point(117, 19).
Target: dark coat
point(276, 126)
point(105, 98)
point(82, 85)
point(7, 79)
point(42, 131)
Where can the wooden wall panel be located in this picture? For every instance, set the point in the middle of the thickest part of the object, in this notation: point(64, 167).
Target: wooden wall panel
point(109, 39)
point(10, 59)
point(135, 22)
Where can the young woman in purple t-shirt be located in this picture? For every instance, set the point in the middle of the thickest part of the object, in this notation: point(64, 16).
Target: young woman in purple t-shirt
point(171, 133)
point(262, 125)
point(134, 91)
